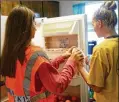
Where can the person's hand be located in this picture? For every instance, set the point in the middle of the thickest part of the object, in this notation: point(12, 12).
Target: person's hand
point(68, 52)
point(87, 60)
point(81, 63)
point(77, 55)
point(81, 59)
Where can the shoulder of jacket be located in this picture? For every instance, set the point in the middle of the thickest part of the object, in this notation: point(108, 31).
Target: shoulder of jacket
point(35, 48)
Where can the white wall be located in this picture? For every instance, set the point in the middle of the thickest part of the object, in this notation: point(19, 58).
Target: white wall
point(65, 7)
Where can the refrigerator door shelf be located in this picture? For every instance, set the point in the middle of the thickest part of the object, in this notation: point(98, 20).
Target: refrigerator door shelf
point(60, 28)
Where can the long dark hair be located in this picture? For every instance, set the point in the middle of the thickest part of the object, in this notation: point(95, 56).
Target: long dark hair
point(17, 37)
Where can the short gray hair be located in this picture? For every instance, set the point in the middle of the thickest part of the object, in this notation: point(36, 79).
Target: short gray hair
point(107, 14)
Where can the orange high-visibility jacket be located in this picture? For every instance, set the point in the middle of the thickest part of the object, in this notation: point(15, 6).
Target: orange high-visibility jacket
point(22, 87)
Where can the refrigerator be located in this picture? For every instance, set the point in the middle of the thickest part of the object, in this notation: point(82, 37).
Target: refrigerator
point(55, 36)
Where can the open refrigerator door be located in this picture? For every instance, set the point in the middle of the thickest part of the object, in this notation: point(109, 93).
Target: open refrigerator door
point(3, 90)
point(60, 33)
point(3, 22)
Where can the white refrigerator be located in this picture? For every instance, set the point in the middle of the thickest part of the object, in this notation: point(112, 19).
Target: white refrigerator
point(57, 34)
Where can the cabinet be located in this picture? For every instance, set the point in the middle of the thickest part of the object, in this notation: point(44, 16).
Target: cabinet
point(36, 6)
point(44, 8)
point(50, 9)
point(7, 6)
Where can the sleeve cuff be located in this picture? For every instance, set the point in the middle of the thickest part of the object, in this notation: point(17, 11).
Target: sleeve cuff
point(61, 58)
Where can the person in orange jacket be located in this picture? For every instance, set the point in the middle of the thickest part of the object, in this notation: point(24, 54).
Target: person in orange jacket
point(30, 75)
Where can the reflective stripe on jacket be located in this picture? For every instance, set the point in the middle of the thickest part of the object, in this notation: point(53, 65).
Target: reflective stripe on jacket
point(22, 87)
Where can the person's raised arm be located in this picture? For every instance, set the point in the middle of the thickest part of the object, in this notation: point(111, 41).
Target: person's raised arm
point(57, 82)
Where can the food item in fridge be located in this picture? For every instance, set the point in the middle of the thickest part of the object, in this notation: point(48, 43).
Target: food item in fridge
point(74, 98)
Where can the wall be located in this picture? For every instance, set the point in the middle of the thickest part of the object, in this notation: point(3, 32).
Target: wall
point(66, 7)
